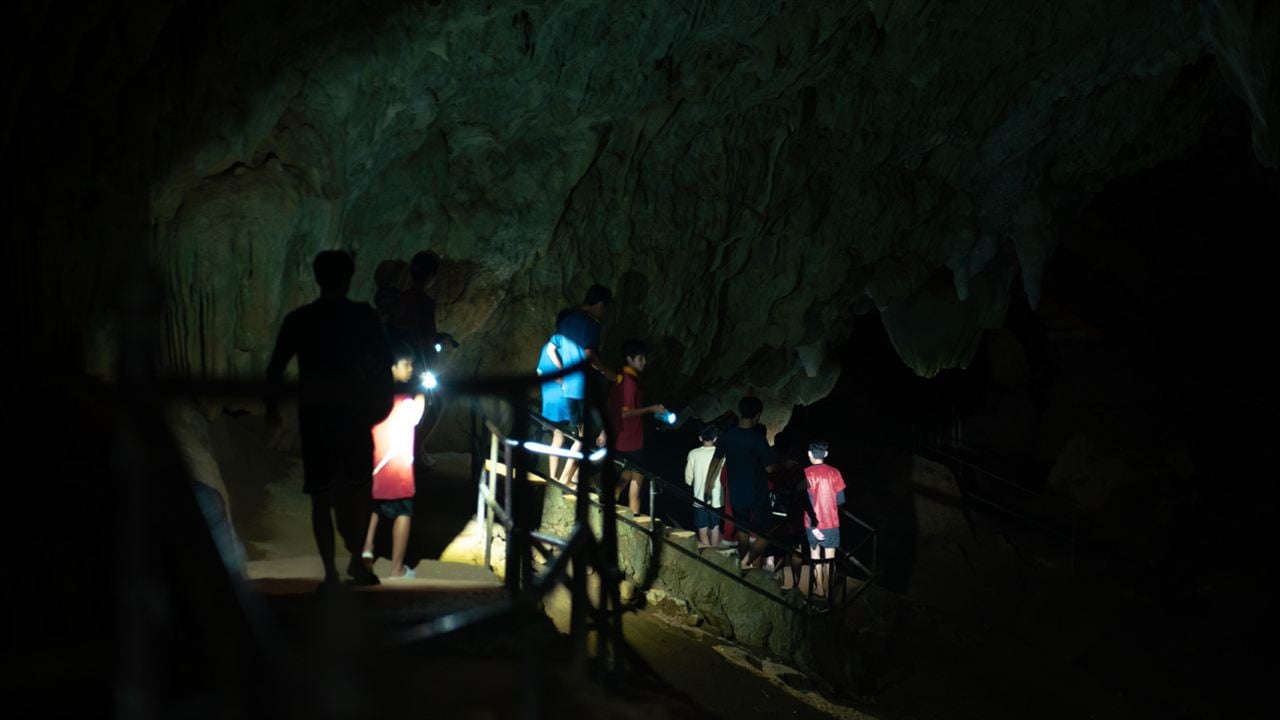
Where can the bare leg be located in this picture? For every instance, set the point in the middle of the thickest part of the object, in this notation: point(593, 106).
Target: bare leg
point(373, 527)
point(637, 483)
point(399, 541)
point(715, 535)
point(570, 475)
point(704, 537)
point(820, 569)
point(791, 573)
point(553, 461)
point(755, 548)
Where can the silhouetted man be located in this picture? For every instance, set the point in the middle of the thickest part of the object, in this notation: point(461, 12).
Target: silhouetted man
point(413, 322)
point(345, 388)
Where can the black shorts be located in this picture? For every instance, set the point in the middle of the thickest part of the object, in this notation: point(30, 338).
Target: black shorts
point(392, 509)
point(634, 458)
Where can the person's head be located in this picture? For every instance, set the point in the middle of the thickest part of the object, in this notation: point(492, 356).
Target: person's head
point(817, 452)
point(597, 297)
point(423, 268)
point(750, 409)
point(333, 270)
point(709, 434)
point(390, 274)
point(402, 365)
point(633, 354)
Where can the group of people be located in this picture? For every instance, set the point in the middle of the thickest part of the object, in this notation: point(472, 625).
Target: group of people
point(736, 473)
point(364, 417)
point(729, 473)
point(575, 340)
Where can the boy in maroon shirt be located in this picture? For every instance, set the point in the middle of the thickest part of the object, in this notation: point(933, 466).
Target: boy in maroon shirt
point(627, 418)
point(822, 517)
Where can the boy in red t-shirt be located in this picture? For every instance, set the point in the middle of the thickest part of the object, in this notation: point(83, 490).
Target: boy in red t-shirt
point(627, 418)
point(822, 517)
point(393, 465)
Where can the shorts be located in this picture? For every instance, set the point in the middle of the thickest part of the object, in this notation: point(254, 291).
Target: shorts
point(573, 407)
point(565, 414)
point(830, 538)
point(704, 518)
point(635, 458)
point(553, 403)
point(392, 509)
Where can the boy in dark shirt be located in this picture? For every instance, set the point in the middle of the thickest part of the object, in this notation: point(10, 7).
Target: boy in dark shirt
point(748, 462)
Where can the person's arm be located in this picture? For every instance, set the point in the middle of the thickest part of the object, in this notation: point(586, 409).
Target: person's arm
point(630, 396)
point(688, 470)
point(713, 473)
point(553, 354)
point(768, 457)
point(594, 358)
point(808, 508)
point(286, 348)
point(646, 410)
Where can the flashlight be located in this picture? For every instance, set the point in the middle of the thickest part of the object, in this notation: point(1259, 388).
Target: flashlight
point(429, 381)
point(439, 347)
point(548, 450)
point(598, 454)
point(669, 418)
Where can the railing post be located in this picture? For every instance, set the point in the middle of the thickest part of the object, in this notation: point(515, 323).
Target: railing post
point(653, 494)
point(512, 572)
point(490, 497)
point(579, 602)
point(477, 466)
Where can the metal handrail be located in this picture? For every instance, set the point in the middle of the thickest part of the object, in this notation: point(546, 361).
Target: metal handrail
point(680, 489)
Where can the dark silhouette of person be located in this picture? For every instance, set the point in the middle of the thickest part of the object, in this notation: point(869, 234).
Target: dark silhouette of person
point(344, 389)
point(413, 322)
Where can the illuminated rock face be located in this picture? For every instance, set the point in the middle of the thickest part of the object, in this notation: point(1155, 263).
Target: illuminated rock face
point(745, 176)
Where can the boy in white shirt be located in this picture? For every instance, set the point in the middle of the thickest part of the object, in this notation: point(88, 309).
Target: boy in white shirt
point(696, 471)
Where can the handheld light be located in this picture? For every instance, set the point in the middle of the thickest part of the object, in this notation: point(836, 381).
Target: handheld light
point(548, 450)
point(429, 381)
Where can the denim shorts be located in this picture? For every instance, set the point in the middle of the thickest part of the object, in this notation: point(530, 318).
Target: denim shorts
point(392, 509)
point(704, 518)
point(830, 538)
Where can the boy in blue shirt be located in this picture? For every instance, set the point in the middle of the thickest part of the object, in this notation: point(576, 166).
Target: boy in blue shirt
point(581, 327)
point(558, 353)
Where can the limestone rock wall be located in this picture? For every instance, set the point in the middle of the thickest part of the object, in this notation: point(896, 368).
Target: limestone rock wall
point(745, 175)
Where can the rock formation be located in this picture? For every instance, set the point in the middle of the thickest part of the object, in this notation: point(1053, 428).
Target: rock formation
point(746, 176)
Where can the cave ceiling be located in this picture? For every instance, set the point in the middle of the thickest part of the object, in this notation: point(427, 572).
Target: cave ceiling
point(747, 176)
